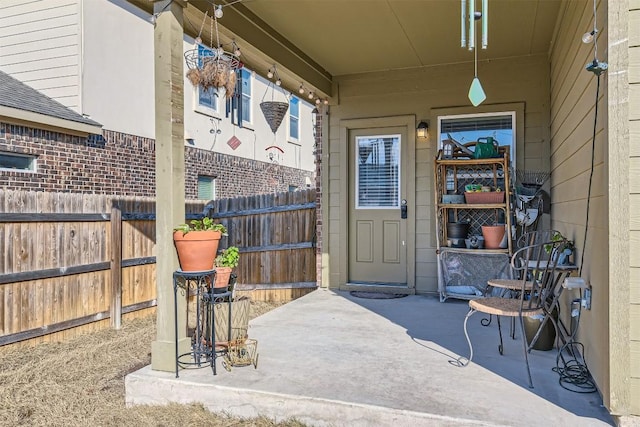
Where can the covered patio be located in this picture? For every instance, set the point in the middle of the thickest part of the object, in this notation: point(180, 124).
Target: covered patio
point(330, 358)
point(380, 67)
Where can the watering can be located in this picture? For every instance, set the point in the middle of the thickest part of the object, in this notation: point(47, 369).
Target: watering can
point(486, 148)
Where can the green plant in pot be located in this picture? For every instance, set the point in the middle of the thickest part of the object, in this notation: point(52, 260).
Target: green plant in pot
point(225, 262)
point(197, 243)
point(565, 250)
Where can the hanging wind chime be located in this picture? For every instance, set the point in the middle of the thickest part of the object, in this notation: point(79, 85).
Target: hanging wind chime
point(468, 17)
point(213, 67)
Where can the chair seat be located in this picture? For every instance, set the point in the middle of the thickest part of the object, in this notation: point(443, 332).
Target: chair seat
point(510, 284)
point(502, 307)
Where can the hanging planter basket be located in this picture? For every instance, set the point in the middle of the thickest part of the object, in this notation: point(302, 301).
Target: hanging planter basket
point(208, 68)
point(274, 112)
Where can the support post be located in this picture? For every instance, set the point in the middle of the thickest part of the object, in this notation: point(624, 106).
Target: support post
point(170, 190)
point(115, 310)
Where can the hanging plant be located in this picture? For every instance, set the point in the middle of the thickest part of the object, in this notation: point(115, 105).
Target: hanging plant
point(212, 67)
point(273, 111)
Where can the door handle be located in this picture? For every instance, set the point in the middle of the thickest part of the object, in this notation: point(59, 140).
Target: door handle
point(403, 209)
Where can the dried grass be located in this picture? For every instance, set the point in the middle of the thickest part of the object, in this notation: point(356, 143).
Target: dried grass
point(81, 382)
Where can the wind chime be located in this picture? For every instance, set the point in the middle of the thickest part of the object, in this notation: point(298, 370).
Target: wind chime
point(468, 18)
point(213, 67)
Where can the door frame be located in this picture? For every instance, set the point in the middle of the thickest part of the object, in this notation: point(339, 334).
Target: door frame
point(346, 126)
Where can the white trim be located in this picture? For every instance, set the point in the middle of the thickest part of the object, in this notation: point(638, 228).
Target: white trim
point(43, 119)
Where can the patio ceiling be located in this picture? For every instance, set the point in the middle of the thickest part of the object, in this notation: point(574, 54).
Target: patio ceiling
point(316, 40)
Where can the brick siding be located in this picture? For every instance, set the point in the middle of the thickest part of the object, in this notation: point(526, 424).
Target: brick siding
point(122, 164)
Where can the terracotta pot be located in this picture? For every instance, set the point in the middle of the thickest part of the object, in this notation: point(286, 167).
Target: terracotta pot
point(493, 235)
point(223, 274)
point(196, 249)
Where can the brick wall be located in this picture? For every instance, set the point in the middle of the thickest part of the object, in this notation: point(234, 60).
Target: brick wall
point(121, 164)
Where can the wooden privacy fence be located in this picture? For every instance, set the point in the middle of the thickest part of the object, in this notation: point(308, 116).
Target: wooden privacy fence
point(71, 263)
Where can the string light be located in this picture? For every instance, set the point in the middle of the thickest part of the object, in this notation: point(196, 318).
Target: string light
point(218, 12)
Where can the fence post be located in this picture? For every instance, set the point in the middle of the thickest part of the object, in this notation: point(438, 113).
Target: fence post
point(115, 310)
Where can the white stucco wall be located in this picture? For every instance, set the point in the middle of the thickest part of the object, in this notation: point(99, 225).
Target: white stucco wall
point(99, 62)
point(117, 66)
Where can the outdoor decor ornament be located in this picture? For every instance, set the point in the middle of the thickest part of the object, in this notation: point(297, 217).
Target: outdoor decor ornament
point(213, 67)
point(476, 92)
point(273, 111)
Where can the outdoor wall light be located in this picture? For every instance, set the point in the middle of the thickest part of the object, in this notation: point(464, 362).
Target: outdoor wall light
point(422, 131)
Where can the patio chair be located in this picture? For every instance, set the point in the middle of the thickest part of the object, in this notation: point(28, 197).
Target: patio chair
point(502, 287)
point(536, 264)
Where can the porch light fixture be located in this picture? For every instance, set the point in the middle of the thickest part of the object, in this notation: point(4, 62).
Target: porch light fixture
point(422, 131)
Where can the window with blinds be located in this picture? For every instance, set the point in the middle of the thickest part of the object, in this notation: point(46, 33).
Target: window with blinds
point(378, 172)
point(209, 97)
point(206, 188)
point(469, 127)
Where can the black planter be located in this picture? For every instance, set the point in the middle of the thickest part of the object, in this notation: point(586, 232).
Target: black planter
point(457, 230)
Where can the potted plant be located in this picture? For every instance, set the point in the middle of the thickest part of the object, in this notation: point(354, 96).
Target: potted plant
point(225, 262)
point(565, 250)
point(197, 243)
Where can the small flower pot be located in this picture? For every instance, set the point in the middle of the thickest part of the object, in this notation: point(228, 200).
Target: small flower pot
point(493, 235)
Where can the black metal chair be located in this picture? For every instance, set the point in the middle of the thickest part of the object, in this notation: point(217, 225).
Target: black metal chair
point(536, 264)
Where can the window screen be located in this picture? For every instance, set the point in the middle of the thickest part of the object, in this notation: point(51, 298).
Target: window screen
point(206, 188)
point(207, 98)
point(470, 127)
point(294, 118)
point(378, 171)
point(21, 163)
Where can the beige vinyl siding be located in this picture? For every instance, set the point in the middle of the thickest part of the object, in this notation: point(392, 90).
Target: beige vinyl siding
point(573, 92)
point(425, 93)
point(634, 198)
point(40, 46)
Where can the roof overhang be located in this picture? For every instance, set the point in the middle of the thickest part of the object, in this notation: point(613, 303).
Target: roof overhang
point(36, 120)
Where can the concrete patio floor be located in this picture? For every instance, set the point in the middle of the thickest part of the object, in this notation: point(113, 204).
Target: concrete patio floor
point(331, 359)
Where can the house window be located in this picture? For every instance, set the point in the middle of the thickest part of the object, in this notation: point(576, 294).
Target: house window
point(294, 118)
point(378, 172)
point(245, 84)
point(207, 98)
point(206, 187)
point(17, 162)
point(466, 128)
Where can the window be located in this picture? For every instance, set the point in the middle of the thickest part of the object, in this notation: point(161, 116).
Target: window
point(378, 172)
point(245, 110)
point(294, 118)
point(206, 187)
point(17, 162)
point(466, 128)
point(207, 98)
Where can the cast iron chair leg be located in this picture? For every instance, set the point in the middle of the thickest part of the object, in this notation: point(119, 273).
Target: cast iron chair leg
point(464, 361)
point(526, 350)
point(501, 345)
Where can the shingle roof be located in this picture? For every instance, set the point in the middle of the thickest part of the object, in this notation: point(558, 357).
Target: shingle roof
point(15, 94)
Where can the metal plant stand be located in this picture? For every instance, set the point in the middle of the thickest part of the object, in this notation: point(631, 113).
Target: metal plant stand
point(199, 284)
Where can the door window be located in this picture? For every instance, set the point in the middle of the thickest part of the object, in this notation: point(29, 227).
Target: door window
point(377, 172)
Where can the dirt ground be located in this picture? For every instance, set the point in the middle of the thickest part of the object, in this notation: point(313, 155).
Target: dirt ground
point(81, 383)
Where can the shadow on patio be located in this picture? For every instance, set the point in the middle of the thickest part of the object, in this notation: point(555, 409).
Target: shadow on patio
point(332, 359)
